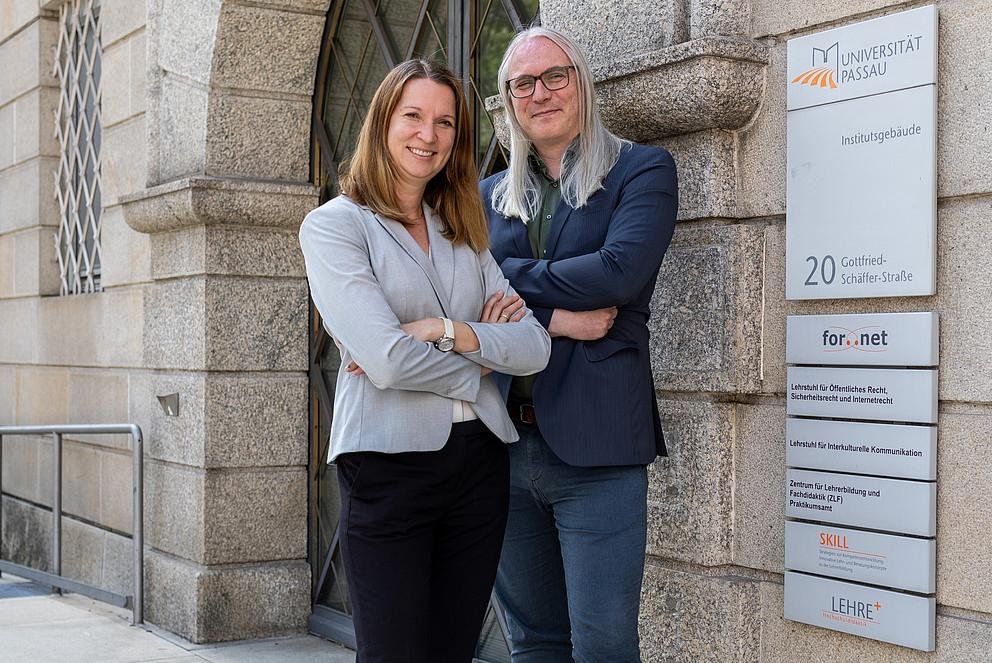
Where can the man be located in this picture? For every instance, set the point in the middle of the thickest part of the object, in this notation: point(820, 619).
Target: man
point(579, 223)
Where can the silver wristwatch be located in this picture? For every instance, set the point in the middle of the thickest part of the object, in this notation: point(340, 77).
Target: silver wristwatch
point(447, 341)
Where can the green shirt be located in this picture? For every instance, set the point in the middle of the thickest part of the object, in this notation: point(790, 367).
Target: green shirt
point(522, 388)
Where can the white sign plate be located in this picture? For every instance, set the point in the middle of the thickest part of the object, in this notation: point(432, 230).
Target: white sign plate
point(891, 450)
point(861, 197)
point(891, 505)
point(902, 562)
point(879, 614)
point(877, 394)
point(881, 55)
point(883, 339)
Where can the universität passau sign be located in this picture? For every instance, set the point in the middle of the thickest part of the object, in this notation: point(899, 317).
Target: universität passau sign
point(861, 401)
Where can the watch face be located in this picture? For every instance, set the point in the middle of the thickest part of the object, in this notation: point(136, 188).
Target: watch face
point(445, 344)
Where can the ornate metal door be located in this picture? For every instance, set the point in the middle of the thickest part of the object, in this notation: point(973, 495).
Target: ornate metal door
point(363, 39)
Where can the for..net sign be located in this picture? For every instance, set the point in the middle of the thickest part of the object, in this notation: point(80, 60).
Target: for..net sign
point(861, 197)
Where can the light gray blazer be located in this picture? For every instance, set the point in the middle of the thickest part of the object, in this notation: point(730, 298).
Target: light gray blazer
point(367, 277)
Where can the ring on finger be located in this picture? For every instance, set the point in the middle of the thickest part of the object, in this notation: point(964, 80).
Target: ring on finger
point(504, 315)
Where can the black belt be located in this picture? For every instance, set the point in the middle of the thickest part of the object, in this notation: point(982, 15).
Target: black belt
point(523, 412)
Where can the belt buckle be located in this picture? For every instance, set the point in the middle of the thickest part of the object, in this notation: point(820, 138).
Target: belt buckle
point(527, 414)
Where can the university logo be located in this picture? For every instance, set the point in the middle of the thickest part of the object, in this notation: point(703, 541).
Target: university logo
point(863, 339)
point(826, 65)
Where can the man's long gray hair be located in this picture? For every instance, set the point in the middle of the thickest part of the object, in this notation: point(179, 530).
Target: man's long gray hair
point(583, 166)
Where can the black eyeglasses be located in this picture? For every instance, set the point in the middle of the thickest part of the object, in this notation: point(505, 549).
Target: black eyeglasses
point(554, 78)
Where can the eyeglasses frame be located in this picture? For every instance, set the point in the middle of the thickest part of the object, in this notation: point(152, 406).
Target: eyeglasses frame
point(540, 77)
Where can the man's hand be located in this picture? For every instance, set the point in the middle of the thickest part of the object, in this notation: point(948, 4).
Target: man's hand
point(582, 325)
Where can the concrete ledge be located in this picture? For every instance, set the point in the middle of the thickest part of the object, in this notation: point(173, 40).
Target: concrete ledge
point(210, 201)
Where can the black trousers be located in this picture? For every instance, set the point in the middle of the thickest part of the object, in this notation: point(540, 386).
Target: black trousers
point(421, 534)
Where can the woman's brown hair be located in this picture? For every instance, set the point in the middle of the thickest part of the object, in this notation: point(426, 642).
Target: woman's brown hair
point(453, 193)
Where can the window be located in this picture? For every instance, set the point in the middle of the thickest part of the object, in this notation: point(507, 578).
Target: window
point(77, 127)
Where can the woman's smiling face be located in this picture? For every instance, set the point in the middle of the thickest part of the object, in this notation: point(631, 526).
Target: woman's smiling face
point(421, 131)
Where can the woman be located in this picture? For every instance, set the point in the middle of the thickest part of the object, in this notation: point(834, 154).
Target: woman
point(400, 271)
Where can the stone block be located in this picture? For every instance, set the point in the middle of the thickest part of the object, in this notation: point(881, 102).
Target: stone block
point(115, 492)
point(81, 481)
point(964, 512)
point(120, 18)
point(174, 509)
point(965, 318)
point(36, 270)
point(20, 466)
point(186, 34)
point(34, 117)
point(177, 439)
point(960, 639)
point(82, 552)
point(7, 265)
point(770, 18)
point(227, 250)
point(236, 147)
point(255, 421)
point(759, 486)
point(256, 323)
point(115, 103)
point(263, 48)
point(761, 146)
point(212, 201)
point(964, 96)
point(255, 515)
point(178, 128)
point(138, 78)
point(7, 136)
point(28, 192)
point(118, 564)
point(206, 604)
point(174, 324)
point(32, 49)
point(8, 393)
point(706, 310)
point(123, 157)
point(699, 618)
point(99, 396)
point(634, 26)
point(107, 328)
point(27, 534)
point(719, 17)
point(705, 161)
point(690, 493)
point(126, 253)
point(19, 331)
point(42, 395)
point(15, 14)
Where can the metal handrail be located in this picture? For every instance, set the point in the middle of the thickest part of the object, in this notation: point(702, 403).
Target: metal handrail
point(55, 579)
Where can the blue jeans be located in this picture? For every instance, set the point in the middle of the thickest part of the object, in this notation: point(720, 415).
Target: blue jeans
point(569, 577)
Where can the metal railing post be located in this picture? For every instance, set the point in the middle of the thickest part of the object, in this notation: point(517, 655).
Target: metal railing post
point(137, 527)
point(57, 507)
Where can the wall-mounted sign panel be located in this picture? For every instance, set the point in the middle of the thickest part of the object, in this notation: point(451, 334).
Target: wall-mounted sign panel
point(902, 619)
point(902, 562)
point(861, 197)
point(881, 55)
point(890, 450)
point(890, 505)
point(882, 339)
point(876, 394)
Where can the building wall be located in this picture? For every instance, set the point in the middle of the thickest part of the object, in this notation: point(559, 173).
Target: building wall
point(206, 177)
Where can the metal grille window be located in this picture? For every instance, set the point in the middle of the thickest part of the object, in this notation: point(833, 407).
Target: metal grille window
point(77, 127)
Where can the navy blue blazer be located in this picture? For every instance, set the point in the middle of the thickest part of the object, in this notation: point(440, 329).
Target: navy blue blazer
point(595, 401)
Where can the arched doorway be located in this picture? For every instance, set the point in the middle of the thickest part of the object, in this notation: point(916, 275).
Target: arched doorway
point(362, 40)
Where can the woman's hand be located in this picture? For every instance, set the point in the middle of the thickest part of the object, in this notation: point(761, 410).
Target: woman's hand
point(501, 307)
